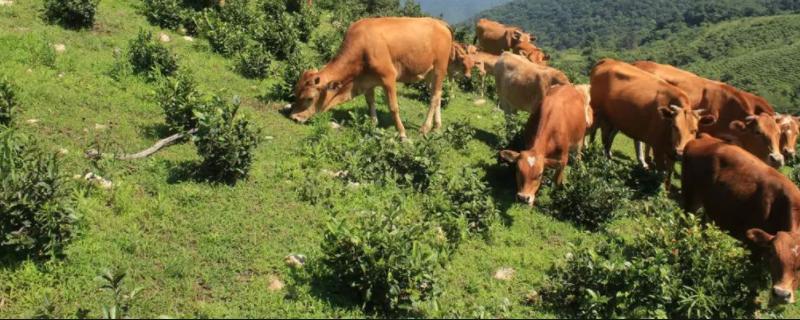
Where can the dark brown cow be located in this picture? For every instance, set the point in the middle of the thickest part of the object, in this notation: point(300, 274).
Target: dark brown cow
point(521, 84)
point(645, 108)
point(380, 52)
point(748, 199)
point(557, 128)
point(738, 120)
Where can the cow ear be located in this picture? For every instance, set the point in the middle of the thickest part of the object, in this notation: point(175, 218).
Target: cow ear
point(517, 35)
point(759, 237)
point(796, 119)
point(707, 120)
point(737, 125)
point(334, 85)
point(509, 156)
point(667, 112)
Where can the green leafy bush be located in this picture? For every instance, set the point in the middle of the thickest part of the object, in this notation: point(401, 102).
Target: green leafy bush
point(253, 62)
point(278, 34)
point(387, 258)
point(423, 91)
point(672, 267)
point(165, 13)
point(285, 74)
point(327, 42)
point(71, 13)
point(148, 56)
point(36, 213)
point(462, 196)
point(8, 102)
point(224, 37)
point(458, 135)
point(179, 98)
point(224, 141)
point(511, 131)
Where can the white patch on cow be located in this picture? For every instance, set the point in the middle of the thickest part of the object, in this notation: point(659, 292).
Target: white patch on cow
point(796, 250)
point(531, 161)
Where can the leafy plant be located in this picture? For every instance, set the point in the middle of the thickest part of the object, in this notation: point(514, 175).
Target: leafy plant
point(285, 75)
point(36, 209)
point(122, 299)
point(179, 98)
point(387, 258)
point(463, 196)
point(458, 134)
point(672, 267)
point(224, 140)
point(165, 13)
point(71, 13)
point(511, 131)
point(150, 57)
point(253, 62)
point(8, 102)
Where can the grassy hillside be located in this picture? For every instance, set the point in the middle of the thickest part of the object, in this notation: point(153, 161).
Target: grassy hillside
point(622, 24)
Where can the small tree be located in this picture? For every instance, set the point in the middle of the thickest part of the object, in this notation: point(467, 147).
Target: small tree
point(71, 13)
point(150, 57)
point(8, 102)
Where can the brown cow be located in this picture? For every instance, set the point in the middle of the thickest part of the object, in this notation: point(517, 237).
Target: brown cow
point(483, 62)
point(521, 84)
point(532, 53)
point(557, 128)
point(749, 200)
point(461, 62)
point(494, 37)
point(380, 52)
point(737, 118)
point(790, 127)
point(645, 108)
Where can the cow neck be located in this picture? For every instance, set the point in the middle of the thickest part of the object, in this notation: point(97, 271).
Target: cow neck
point(343, 68)
point(541, 136)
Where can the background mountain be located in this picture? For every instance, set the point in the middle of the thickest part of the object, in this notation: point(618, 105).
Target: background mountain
point(455, 11)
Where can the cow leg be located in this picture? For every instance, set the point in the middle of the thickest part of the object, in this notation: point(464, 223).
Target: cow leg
point(562, 164)
point(579, 150)
point(648, 155)
point(639, 154)
point(390, 88)
point(370, 96)
point(608, 139)
point(483, 86)
point(667, 166)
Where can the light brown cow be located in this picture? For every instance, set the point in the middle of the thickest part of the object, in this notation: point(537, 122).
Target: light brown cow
point(484, 62)
point(532, 53)
point(551, 134)
point(521, 84)
point(749, 200)
point(738, 120)
point(380, 52)
point(494, 37)
point(790, 128)
point(461, 62)
point(645, 108)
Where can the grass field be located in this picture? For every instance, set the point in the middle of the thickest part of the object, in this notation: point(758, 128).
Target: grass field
point(210, 250)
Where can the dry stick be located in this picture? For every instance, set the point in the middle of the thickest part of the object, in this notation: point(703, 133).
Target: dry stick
point(158, 146)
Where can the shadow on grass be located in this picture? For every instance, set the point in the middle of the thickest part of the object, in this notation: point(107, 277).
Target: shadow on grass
point(193, 171)
point(155, 131)
point(501, 182)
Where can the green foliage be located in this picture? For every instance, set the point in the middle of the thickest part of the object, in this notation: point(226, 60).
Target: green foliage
point(278, 34)
point(253, 62)
point(148, 56)
point(228, 28)
point(76, 14)
point(179, 98)
point(169, 14)
point(673, 266)
point(510, 132)
point(224, 141)
point(388, 258)
point(458, 135)
point(8, 102)
point(122, 299)
point(285, 75)
point(42, 53)
point(36, 208)
point(423, 91)
point(463, 197)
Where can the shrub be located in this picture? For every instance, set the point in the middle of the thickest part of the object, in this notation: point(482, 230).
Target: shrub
point(71, 13)
point(165, 13)
point(36, 215)
point(307, 19)
point(224, 37)
point(673, 267)
point(224, 141)
point(284, 75)
point(511, 131)
point(423, 91)
point(179, 98)
point(327, 42)
point(463, 196)
point(388, 258)
point(595, 193)
point(458, 135)
point(795, 174)
point(148, 56)
point(253, 62)
point(278, 34)
point(8, 102)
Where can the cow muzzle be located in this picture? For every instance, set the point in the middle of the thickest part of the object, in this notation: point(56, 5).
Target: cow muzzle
point(784, 295)
point(678, 154)
point(776, 160)
point(527, 199)
point(789, 153)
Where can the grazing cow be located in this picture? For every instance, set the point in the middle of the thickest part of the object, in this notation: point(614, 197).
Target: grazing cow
point(551, 133)
point(495, 38)
point(738, 120)
point(521, 84)
point(461, 62)
point(790, 127)
point(645, 108)
point(532, 53)
point(380, 52)
point(760, 104)
point(483, 62)
point(749, 200)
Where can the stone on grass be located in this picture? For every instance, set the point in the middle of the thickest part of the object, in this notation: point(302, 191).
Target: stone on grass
point(504, 273)
point(275, 284)
point(295, 261)
point(163, 37)
point(480, 102)
point(60, 47)
point(6, 2)
point(98, 180)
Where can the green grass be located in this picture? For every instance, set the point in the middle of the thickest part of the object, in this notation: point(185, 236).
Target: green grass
point(207, 250)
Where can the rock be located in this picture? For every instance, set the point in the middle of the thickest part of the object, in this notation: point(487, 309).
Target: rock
point(533, 298)
point(98, 180)
point(29, 70)
point(6, 2)
point(32, 121)
point(504, 273)
point(60, 47)
point(335, 126)
point(275, 284)
point(480, 102)
point(63, 151)
point(353, 185)
point(295, 261)
point(100, 127)
point(337, 174)
point(60, 74)
point(92, 154)
point(268, 137)
point(188, 38)
point(163, 37)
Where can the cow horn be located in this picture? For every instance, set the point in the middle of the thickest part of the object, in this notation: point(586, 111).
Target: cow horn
point(751, 117)
point(674, 107)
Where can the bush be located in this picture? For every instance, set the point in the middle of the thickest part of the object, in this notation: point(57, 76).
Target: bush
point(71, 13)
point(36, 215)
point(167, 14)
point(147, 55)
point(674, 267)
point(253, 62)
point(463, 196)
point(8, 102)
point(593, 193)
point(224, 141)
point(224, 37)
point(278, 34)
point(388, 258)
point(179, 98)
point(458, 135)
point(326, 43)
point(423, 91)
point(511, 131)
point(285, 74)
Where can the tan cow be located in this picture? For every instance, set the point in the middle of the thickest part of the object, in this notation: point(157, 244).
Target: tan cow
point(461, 62)
point(521, 84)
point(551, 134)
point(380, 52)
point(484, 62)
point(738, 120)
point(645, 108)
point(790, 128)
point(494, 37)
point(749, 200)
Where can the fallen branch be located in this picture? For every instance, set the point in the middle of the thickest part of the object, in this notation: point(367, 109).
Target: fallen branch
point(158, 146)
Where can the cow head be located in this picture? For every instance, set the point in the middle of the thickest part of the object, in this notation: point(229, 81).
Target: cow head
point(784, 260)
point(515, 37)
point(530, 169)
point(761, 136)
point(789, 131)
point(532, 53)
point(684, 125)
point(313, 94)
point(461, 61)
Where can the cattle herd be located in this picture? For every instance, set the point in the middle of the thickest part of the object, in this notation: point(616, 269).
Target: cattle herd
point(729, 141)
